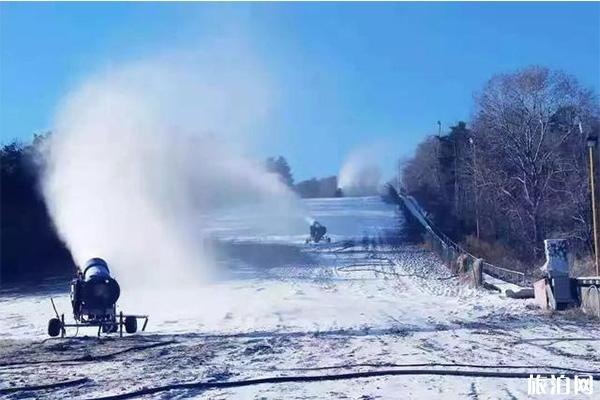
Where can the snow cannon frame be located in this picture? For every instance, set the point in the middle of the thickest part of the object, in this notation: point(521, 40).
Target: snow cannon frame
point(318, 232)
point(94, 294)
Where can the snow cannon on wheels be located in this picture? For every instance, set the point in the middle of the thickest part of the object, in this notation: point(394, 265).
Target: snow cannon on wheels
point(94, 295)
point(317, 233)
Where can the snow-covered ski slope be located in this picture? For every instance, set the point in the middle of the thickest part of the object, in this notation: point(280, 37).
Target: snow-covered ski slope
point(281, 308)
point(345, 218)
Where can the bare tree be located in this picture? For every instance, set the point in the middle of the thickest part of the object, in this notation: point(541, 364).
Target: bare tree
point(527, 125)
point(519, 173)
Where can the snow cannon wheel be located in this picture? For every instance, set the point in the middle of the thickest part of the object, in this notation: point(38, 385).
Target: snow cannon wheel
point(130, 324)
point(54, 327)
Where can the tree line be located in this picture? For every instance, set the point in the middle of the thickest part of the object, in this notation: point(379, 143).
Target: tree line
point(517, 173)
point(30, 248)
point(310, 188)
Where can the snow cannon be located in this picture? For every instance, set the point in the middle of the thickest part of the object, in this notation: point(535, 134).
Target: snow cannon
point(94, 292)
point(94, 295)
point(317, 233)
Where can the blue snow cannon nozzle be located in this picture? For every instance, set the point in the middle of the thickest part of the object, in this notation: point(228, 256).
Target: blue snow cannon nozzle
point(94, 291)
point(96, 267)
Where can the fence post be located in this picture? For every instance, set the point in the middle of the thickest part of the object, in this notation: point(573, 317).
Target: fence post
point(477, 272)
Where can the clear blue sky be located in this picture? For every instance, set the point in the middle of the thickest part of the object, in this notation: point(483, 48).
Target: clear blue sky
point(351, 73)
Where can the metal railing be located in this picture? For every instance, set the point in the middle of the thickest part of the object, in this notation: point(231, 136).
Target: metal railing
point(448, 250)
point(505, 274)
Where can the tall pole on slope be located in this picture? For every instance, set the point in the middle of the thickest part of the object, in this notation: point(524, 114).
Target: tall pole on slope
point(475, 187)
point(592, 142)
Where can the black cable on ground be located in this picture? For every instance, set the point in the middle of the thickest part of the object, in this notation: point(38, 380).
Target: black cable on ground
point(481, 366)
point(73, 382)
point(88, 357)
point(321, 378)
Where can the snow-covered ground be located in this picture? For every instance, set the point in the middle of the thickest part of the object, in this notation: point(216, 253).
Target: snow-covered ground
point(282, 308)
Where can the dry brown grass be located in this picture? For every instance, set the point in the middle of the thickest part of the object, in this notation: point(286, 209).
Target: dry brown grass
point(495, 253)
point(583, 266)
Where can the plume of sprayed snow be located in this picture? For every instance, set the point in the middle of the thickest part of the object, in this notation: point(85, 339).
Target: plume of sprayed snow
point(144, 153)
point(360, 174)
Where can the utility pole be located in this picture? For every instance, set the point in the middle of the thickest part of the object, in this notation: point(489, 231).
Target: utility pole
point(398, 172)
point(475, 186)
point(456, 212)
point(592, 142)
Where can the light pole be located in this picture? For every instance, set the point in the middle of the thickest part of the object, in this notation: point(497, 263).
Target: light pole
point(472, 142)
point(592, 142)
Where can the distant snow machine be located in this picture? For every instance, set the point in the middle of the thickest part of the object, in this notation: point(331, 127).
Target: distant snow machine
point(317, 233)
point(94, 295)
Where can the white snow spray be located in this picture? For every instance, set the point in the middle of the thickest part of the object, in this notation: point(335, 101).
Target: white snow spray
point(144, 153)
point(360, 174)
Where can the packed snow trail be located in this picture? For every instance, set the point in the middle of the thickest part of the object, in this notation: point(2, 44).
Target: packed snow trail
point(281, 309)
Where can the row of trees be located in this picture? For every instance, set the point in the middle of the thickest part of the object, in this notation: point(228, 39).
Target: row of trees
point(29, 246)
point(324, 187)
point(518, 173)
